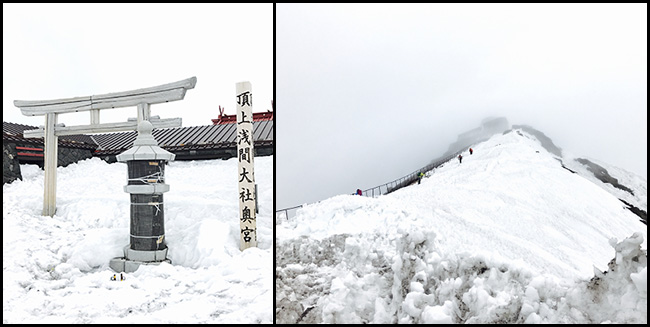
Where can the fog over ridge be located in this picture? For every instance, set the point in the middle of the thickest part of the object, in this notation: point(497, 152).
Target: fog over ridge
point(371, 92)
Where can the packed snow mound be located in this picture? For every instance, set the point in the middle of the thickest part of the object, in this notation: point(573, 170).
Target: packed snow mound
point(349, 280)
point(55, 269)
point(508, 235)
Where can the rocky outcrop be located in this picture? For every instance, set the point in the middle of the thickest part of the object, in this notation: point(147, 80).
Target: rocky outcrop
point(602, 174)
point(10, 165)
point(546, 141)
point(639, 212)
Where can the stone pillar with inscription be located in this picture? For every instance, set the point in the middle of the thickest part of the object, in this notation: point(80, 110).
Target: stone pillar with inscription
point(245, 174)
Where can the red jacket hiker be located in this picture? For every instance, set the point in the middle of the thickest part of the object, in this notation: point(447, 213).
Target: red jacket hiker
point(471, 151)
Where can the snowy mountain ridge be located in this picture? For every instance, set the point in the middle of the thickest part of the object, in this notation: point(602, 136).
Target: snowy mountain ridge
point(610, 178)
point(510, 208)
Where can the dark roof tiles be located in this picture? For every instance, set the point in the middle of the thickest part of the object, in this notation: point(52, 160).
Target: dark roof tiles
point(208, 136)
point(14, 132)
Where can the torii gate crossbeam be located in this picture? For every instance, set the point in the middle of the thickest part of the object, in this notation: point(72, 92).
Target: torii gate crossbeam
point(142, 98)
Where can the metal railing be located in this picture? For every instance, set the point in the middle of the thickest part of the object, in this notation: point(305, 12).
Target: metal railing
point(381, 189)
point(285, 212)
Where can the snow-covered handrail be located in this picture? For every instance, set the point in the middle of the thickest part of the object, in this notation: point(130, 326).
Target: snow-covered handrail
point(390, 186)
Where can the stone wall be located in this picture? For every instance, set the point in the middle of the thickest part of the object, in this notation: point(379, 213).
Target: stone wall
point(262, 151)
point(68, 156)
point(10, 165)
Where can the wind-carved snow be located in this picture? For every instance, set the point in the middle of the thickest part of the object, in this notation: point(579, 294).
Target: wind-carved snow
point(508, 236)
point(55, 270)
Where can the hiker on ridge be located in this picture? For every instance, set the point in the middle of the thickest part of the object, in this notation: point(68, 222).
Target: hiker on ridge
point(460, 158)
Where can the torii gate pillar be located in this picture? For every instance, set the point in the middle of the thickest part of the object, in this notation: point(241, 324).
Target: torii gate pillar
point(50, 163)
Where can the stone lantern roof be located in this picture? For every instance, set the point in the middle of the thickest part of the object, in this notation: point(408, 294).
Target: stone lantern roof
point(145, 147)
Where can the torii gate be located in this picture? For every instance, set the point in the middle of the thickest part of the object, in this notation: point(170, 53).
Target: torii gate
point(142, 98)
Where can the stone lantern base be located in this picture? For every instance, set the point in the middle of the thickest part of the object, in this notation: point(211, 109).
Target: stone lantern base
point(133, 259)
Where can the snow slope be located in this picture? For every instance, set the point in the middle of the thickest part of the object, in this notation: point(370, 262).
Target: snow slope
point(506, 236)
point(55, 270)
point(630, 180)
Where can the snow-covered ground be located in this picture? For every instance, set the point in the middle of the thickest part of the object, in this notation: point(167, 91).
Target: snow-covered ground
point(508, 236)
point(55, 270)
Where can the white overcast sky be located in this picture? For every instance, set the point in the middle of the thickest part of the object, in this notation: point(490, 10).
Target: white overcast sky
point(371, 92)
point(54, 51)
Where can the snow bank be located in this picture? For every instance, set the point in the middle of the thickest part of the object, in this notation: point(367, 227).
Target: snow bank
point(55, 270)
point(346, 279)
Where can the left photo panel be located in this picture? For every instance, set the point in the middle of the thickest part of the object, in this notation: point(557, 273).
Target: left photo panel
point(138, 172)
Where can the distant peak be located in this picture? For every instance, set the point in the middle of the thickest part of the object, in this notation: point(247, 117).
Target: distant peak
point(489, 127)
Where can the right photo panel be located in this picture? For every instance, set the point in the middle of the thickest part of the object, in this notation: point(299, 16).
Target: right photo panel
point(461, 163)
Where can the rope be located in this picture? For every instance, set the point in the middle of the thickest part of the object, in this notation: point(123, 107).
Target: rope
point(154, 178)
point(159, 236)
point(156, 204)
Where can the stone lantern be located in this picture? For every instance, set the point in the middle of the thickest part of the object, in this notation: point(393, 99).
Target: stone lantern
point(146, 184)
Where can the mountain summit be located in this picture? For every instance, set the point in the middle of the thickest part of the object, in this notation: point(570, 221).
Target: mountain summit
point(509, 235)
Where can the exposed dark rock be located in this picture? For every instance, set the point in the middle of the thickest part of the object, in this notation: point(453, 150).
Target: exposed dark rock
point(563, 166)
point(639, 212)
point(547, 143)
point(305, 313)
point(602, 174)
point(10, 164)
